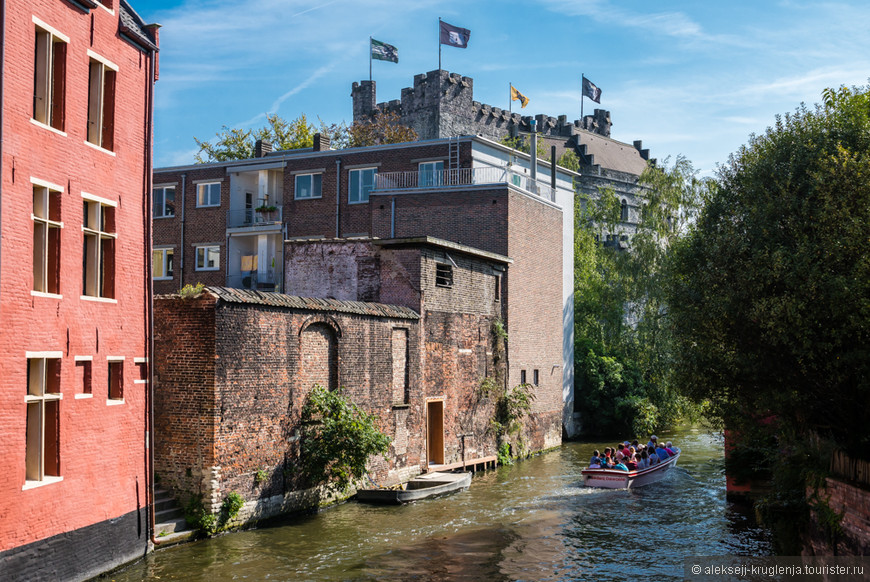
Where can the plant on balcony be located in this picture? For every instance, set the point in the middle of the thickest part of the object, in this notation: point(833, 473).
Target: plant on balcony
point(265, 208)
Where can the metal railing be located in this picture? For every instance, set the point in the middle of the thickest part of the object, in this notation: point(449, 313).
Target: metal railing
point(461, 177)
point(251, 217)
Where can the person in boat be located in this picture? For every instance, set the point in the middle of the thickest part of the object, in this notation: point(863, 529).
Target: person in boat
point(643, 463)
point(620, 467)
point(653, 457)
point(669, 448)
point(595, 461)
point(607, 461)
point(620, 453)
point(631, 462)
point(662, 453)
point(653, 440)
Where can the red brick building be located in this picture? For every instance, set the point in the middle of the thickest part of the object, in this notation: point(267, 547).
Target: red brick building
point(75, 220)
point(230, 224)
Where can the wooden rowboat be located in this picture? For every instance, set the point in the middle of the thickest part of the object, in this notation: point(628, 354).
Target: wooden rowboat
point(616, 479)
point(422, 487)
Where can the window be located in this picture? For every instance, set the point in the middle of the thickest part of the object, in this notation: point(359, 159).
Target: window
point(623, 214)
point(164, 201)
point(42, 457)
point(208, 194)
point(161, 261)
point(497, 287)
point(361, 184)
point(101, 103)
point(84, 376)
point(522, 376)
point(308, 186)
point(431, 173)
point(208, 258)
point(116, 380)
point(443, 275)
point(46, 239)
point(98, 268)
point(536, 377)
point(49, 78)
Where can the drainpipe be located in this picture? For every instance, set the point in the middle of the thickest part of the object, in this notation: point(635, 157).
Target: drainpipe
point(181, 251)
point(533, 164)
point(393, 218)
point(553, 166)
point(337, 197)
point(2, 83)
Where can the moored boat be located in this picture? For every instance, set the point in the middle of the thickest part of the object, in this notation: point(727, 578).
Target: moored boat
point(616, 479)
point(422, 487)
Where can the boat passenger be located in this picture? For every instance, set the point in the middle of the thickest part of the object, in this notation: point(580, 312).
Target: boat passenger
point(662, 453)
point(669, 449)
point(607, 461)
point(635, 444)
point(595, 461)
point(643, 463)
point(620, 467)
point(653, 457)
point(620, 452)
point(631, 464)
point(652, 441)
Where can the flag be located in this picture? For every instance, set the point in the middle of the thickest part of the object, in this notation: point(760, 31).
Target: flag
point(517, 96)
point(382, 51)
point(591, 91)
point(453, 35)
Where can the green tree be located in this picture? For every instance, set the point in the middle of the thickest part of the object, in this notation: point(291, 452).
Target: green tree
point(622, 336)
point(337, 440)
point(770, 294)
point(238, 144)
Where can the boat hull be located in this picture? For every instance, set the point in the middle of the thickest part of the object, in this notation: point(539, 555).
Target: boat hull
point(615, 479)
point(422, 487)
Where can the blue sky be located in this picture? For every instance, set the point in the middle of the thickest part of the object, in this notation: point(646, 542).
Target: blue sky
point(689, 77)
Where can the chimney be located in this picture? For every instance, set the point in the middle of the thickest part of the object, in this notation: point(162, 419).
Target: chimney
point(262, 147)
point(533, 164)
point(321, 143)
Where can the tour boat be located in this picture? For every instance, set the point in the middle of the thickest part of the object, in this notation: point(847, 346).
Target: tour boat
point(616, 479)
point(422, 487)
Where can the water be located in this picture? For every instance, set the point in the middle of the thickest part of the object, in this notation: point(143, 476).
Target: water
point(531, 521)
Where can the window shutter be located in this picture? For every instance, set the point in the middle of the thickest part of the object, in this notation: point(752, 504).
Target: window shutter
point(58, 85)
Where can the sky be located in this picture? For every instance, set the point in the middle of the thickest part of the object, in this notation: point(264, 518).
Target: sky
point(688, 77)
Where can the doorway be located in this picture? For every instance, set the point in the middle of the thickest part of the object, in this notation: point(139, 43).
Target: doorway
point(435, 432)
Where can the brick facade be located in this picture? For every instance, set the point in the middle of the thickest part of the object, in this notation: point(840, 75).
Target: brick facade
point(74, 478)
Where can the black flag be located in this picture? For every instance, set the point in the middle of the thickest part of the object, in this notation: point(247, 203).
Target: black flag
point(453, 35)
point(591, 91)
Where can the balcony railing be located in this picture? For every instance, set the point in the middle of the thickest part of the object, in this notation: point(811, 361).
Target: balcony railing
point(461, 177)
point(260, 282)
point(251, 217)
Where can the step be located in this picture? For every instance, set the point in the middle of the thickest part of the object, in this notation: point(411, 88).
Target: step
point(170, 539)
point(161, 504)
point(171, 526)
point(162, 494)
point(168, 514)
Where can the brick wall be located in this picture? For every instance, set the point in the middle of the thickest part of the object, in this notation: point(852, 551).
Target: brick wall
point(100, 444)
point(853, 502)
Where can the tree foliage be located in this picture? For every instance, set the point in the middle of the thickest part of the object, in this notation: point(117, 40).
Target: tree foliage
point(383, 128)
point(770, 298)
point(337, 439)
point(622, 338)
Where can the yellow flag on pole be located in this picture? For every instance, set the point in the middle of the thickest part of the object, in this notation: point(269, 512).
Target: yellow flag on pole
point(517, 96)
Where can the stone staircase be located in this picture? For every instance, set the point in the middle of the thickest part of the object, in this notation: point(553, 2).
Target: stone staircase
point(170, 526)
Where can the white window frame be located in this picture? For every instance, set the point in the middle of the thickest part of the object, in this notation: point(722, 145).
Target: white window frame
point(429, 173)
point(164, 251)
point(87, 368)
point(117, 361)
point(41, 217)
point(201, 257)
point(315, 192)
point(44, 77)
point(206, 187)
point(356, 197)
point(99, 68)
point(94, 282)
point(163, 190)
point(36, 399)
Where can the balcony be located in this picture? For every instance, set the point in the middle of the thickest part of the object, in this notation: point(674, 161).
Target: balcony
point(255, 281)
point(441, 179)
point(250, 217)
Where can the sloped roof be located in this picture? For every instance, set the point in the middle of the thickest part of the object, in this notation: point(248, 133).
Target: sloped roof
point(312, 303)
point(612, 154)
point(134, 27)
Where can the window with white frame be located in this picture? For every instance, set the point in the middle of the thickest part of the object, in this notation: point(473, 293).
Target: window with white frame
point(46, 238)
point(431, 173)
point(116, 379)
point(101, 102)
point(360, 185)
point(208, 194)
point(98, 262)
point(49, 77)
point(164, 201)
point(42, 449)
point(208, 258)
point(308, 186)
point(162, 263)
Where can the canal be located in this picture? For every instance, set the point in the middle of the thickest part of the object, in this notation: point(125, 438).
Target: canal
point(530, 521)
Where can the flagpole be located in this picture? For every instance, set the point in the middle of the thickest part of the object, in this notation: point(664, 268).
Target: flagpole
point(370, 58)
point(439, 43)
point(582, 93)
point(510, 98)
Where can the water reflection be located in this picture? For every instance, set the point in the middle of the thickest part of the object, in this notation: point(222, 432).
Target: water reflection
point(532, 521)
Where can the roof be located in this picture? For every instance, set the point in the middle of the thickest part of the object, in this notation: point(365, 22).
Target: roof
point(612, 154)
point(271, 299)
point(134, 27)
point(432, 241)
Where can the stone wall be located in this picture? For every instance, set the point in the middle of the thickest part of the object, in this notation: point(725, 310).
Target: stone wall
point(850, 500)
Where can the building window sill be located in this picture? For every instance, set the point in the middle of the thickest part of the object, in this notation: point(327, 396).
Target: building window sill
point(46, 295)
point(111, 402)
point(99, 148)
point(46, 481)
point(48, 127)
point(83, 396)
point(400, 405)
point(98, 299)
